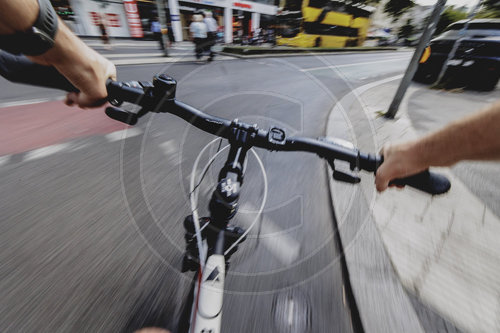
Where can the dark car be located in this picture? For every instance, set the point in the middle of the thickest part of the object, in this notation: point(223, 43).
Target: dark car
point(476, 64)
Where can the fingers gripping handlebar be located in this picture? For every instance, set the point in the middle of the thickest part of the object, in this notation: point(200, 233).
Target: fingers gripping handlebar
point(159, 96)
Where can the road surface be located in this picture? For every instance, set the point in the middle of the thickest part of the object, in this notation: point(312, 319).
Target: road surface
point(91, 232)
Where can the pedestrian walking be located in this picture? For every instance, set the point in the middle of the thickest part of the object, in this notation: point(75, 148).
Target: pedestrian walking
point(212, 27)
point(198, 30)
point(170, 33)
point(156, 30)
point(104, 34)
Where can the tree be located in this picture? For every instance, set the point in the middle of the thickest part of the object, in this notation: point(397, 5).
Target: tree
point(396, 8)
point(406, 30)
point(450, 15)
point(492, 4)
point(490, 9)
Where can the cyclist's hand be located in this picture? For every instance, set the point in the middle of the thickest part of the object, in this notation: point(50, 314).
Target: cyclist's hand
point(399, 162)
point(86, 69)
point(93, 95)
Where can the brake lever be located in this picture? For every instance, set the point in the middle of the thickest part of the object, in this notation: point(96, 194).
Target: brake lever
point(342, 176)
point(122, 115)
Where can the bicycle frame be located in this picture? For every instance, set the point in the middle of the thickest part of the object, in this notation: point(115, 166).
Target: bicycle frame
point(206, 311)
point(208, 297)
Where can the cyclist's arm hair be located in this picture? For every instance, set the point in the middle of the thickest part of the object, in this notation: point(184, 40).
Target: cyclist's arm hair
point(476, 137)
point(81, 65)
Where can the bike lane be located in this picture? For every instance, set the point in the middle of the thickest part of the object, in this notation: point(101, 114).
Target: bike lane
point(27, 127)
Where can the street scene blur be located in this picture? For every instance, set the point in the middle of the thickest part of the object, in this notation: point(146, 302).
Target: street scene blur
point(99, 226)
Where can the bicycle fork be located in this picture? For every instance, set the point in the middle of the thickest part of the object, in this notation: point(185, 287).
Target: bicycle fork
point(208, 297)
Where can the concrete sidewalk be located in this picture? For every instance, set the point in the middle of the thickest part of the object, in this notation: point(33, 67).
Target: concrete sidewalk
point(403, 245)
point(128, 52)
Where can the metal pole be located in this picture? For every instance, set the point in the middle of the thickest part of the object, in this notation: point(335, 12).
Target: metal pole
point(412, 67)
point(461, 35)
point(160, 4)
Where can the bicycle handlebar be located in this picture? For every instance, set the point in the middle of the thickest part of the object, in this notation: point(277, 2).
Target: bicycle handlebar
point(143, 93)
point(159, 97)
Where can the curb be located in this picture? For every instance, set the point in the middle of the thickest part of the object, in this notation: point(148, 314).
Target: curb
point(415, 262)
point(162, 60)
point(378, 295)
point(303, 54)
point(253, 50)
point(442, 248)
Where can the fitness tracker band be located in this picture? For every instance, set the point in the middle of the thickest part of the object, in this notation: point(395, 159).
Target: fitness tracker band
point(36, 40)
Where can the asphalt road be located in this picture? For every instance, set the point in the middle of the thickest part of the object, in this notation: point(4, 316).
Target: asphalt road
point(91, 234)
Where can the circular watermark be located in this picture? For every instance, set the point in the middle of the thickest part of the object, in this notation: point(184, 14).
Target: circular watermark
point(295, 239)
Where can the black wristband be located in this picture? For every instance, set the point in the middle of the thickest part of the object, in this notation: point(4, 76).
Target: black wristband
point(39, 38)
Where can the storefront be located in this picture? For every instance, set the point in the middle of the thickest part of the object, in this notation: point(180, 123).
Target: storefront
point(188, 8)
point(238, 19)
point(132, 18)
point(121, 18)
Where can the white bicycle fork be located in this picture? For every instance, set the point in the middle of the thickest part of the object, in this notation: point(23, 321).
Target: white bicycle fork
point(207, 306)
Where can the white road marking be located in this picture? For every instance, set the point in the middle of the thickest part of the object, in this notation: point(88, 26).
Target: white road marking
point(4, 160)
point(280, 244)
point(290, 313)
point(142, 61)
point(69, 146)
point(45, 151)
point(78, 146)
point(123, 134)
point(30, 101)
point(149, 55)
point(169, 148)
point(141, 44)
point(355, 64)
point(183, 48)
point(132, 55)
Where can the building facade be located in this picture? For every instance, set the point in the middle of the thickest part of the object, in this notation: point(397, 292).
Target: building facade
point(132, 18)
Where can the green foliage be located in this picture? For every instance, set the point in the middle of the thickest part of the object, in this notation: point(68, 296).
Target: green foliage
point(490, 9)
point(492, 4)
point(396, 8)
point(488, 13)
point(450, 15)
point(406, 30)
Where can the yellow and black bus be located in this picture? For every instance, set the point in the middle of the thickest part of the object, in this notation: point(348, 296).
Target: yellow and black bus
point(322, 23)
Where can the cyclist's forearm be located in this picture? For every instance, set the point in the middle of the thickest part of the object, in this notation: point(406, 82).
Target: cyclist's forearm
point(476, 137)
point(72, 58)
point(17, 15)
point(76, 61)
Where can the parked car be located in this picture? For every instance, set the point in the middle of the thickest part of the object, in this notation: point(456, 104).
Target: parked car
point(476, 64)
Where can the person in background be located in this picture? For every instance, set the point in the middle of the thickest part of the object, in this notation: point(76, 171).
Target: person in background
point(170, 33)
point(104, 34)
point(156, 30)
point(198, 31)
point(212, 27)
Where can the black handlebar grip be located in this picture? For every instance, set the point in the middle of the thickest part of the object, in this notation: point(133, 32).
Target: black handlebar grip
point(126, 117)
point(427, 181)
point(19, 69)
